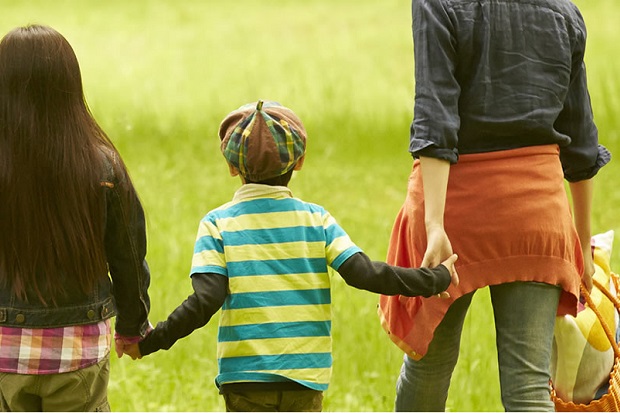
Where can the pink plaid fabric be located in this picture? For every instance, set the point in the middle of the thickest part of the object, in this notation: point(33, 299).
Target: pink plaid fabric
point(53, 350)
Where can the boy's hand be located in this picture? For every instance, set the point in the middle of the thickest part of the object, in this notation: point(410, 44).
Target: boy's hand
point(133, 351)
point(126, 347)
point(129, 345)
point(449, 264)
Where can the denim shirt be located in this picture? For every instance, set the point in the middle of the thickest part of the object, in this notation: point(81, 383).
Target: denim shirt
point(503, 74)
point(124, 293)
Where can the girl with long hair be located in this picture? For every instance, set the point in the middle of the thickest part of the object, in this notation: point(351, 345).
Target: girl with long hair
point(72, 233)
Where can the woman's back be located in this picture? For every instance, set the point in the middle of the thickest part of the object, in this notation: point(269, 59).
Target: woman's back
point(495, 75)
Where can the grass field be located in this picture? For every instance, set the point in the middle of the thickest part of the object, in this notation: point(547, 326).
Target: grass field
point(159, 77)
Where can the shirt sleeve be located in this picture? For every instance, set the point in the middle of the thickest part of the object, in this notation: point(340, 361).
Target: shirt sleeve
point(209, 249)
point(125, 245)
point(378, 277)
point(434, 131)
point(338, 245)
point(210, 291)
point(583, 157)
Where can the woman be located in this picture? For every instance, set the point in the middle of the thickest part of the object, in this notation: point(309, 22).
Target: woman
point(68, 215)
point(502, 116)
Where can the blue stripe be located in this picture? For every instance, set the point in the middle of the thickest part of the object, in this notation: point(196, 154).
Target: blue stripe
point(334, 231)
point(277, 298)
point(275, 362)
point(263, 205)
point(345, 255)
point(208, 243)
point(274, 235)
point(283, 266)
point(274, 330)
point(208, 269)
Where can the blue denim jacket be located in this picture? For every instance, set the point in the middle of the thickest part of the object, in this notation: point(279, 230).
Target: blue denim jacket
point(124, 293)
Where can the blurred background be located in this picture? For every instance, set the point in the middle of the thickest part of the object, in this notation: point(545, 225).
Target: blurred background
point(159, 77)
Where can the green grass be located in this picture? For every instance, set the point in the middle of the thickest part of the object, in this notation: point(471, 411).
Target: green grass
point(159, 77)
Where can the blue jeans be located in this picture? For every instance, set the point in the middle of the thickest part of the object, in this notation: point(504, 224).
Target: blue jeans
point(524, 320)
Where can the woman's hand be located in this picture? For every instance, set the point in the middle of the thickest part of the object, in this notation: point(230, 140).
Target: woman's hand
point(588, 267)
point(439, 251)
point(438, 247)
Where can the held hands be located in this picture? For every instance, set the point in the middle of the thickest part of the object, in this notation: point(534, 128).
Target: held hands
point(123, 346)
point(438, 247)
point(449, 264)
point(129, 345)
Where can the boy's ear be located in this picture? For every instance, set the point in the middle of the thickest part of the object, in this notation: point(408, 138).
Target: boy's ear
point(299, 163)
point(233, 170)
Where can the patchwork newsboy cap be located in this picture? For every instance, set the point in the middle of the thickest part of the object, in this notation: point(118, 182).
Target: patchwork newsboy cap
point(262, 140)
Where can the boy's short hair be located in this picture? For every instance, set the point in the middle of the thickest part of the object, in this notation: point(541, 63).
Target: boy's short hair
point(262, 140)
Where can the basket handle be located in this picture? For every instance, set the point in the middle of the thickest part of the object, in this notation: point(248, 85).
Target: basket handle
point(608, 332)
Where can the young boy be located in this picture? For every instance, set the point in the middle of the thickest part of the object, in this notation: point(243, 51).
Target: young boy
point(263, 259)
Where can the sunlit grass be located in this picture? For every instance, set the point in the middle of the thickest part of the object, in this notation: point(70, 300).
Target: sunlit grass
point(160, 76)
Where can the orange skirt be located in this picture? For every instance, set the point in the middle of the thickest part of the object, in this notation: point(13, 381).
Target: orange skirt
point(508, 218)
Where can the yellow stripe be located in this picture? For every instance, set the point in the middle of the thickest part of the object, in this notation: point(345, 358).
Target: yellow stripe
point(283, 314)
point(329, 221)
point(208, 257)
point(337, 246)
point(271, 220)
point(311, 375)
point(279, 251)
point(272, 346)
point(207, 228)
point(278, 282)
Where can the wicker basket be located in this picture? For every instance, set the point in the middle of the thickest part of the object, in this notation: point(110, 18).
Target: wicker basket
point(610, 402)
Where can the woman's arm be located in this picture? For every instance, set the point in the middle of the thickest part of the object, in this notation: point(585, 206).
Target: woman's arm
point(435, 173)
point(581, 193)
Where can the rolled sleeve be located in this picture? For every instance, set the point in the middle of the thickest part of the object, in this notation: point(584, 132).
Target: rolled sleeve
point(583, 157)
point(434, 131)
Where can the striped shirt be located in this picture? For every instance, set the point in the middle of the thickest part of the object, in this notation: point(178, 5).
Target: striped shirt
point(53, 350)
point(275, 249)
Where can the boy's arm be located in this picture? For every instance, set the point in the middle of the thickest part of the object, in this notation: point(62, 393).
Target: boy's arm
point(378, 277)
point(210, 291)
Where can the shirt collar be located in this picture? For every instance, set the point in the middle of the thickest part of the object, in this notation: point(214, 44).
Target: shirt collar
point(249, 191)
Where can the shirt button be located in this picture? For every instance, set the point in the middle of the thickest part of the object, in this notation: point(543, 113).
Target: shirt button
point(90, 314)
point(20, 318)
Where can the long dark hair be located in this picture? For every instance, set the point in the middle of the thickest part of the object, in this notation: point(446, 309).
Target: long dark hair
point(52, 205)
